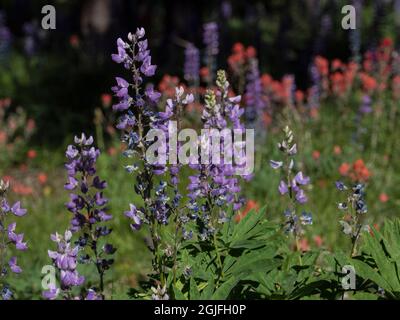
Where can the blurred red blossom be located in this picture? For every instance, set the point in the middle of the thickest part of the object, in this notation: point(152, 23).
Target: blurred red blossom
point(250, 205)
point(383, 197)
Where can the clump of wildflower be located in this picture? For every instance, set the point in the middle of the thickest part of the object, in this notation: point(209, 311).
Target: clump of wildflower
point(8, 236)
point(355, 209)
point(292, 185)
point(215, 186)
point(357, 172)
point(319, 77)
point(88, 204)
point(138, 118)
point(136, 121)
point(89, 208)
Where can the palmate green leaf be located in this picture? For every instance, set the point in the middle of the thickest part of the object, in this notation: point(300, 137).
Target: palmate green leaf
point(310, 258)
point(376, 245)
point(391, 232)
point(341, 259)
point(225, 289)
point(229, 261)
point(247, 244)
point(260, 260)
point(208, 291)
point(364, 296)
point(178, 293)
point(194, 290)
point(255, 265)
point(248, 226)
point(324, 285)
point(365, 271)
point(202, 265)
point(265, 285)
point(290, 260)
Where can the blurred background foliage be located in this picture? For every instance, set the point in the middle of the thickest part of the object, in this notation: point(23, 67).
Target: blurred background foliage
point(61, 79)
point(59, 75)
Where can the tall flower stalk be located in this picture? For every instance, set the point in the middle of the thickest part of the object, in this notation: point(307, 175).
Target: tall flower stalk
point(215, 186)
point(9, 238)
point(211, 42)
point(174, 112)
point(355, 209)
point(138, 116)
point(191, 68)
point(157, 182)
point(89, 208)
point(292, 185)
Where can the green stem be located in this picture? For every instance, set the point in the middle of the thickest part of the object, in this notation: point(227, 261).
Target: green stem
point(218, 256)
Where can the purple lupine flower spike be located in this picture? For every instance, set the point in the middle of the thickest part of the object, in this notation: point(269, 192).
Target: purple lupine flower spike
point(292, 186)
point(192, 64)
point(211, 41)
point(217, 182)
point(87, 203)
point(8, 227)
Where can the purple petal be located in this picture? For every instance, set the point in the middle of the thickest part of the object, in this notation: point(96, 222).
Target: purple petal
point(275, 164)
point(13, 265)
point(283, 188)
point(17, 210)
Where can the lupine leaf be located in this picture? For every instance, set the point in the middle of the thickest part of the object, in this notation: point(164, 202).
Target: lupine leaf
point(385, 264)
point(365, 271)
point(178, 293)
point(225, 289)
point(194, 291)
point(208, 291)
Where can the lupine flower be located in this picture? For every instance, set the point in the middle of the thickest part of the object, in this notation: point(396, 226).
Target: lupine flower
point(191, 67)
point(82, 178)
point(30, 38)
point(5, 36)
point(137, 118)
point(65, 259)
point(354, 208)
point(51, 293)
point(276, 164)
point(92, 295)
point(226, 9)
point(160, 293)
point(8, 264)
point(292, 186)
point(211, 41)
point(216, 181)
point(255, 102)
point(340, 186)
point(87, 202)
